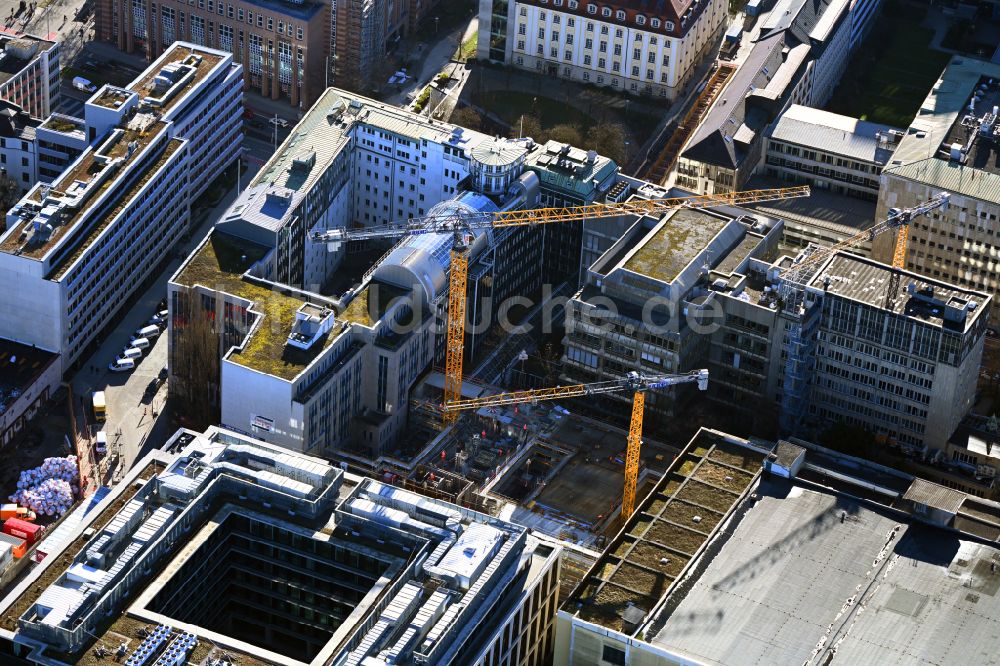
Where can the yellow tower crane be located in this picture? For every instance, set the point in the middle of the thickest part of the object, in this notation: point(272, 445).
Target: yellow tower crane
point(461, 225)
point(898, 220)
point(633, 381)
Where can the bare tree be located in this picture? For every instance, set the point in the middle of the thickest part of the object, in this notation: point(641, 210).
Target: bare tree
point(608, 139)
point(10, 192)
point(467, 117)
point(567, 133)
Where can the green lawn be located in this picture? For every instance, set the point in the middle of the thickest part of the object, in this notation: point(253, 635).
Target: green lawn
point(892, 72)
point(511, 105)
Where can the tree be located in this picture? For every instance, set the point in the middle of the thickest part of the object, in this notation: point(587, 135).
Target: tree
point(608, 139)
point(195, 363)
point(528, 126)
point(567, 133)
point(467, 117)
point(10, 192)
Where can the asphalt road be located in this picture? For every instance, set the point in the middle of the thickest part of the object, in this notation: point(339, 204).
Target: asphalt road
point(131, 425)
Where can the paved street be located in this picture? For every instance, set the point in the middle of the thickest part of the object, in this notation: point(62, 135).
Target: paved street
point(130, 420)
point(432, 61)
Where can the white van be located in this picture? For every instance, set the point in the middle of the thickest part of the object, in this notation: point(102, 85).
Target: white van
point(139, 343)
point(121, 365)
point(132, 352)
point(147, 332)
point(102, 442)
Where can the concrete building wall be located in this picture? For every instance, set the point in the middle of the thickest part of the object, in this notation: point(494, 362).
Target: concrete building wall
point(959, 244)
point(34, 397)
point(36, 87)
point(32, 308)
point(19, 160)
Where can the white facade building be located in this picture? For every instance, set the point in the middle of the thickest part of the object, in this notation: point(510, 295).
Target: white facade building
point(637, 47)
point(74, 252)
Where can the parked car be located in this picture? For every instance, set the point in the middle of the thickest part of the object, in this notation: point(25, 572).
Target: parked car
point(149, 331)
point(140, 343)
point(163, 374)
point(159, 319)
point(83, 84)
point(133, 353)
point(122, 365)
point(102, 443)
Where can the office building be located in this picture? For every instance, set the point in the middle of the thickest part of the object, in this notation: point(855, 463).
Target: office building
point(29, 73)
point(362, 32)
point(18, 146)
point(701, 289)
point(28, 378)
point(224, 544)
point(281, 46)
point(76, 250)
point(829, 152)
point(319, 351)
point(840, 158)
point(797, 58)
point(630, 313)
point(628, 45)
point(951, 146)
point(784, 553)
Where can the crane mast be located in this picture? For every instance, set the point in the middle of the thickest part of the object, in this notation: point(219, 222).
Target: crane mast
point(462, 225)
point(638, 383)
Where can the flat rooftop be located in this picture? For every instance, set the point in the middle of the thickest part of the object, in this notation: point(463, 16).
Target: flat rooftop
point(944, 119)
point(835, 134)
point(809, 576)
point(927, 300)
point(220, 263)
point(668, 249)
point(73, 194)
point(667, 531)
point(212, 542)
point(20, 366)
point(837, 212)
point(19, 52)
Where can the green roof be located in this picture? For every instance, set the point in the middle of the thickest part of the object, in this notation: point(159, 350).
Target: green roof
point(219, 264)
point(670, 248)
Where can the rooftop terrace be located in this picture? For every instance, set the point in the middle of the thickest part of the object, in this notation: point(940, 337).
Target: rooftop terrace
point(667, 250)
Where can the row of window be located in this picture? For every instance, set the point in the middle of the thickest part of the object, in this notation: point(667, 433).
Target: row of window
point(605, 11)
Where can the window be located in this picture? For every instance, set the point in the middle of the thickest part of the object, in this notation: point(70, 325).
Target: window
point(298, 33)
point(613, 655)
point(655, 23)
point(569, 40)
point(591, 8)
point(606, 11)
point(522, 29)
point(620, 15)
point(640, 20)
